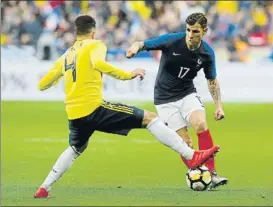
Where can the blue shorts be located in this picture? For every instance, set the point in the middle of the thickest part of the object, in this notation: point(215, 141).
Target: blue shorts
point(109, 117)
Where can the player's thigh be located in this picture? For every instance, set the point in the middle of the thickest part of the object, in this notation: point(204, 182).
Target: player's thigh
point(117, 118)
point(80, 132)
point(192, 104)
point(170, 114)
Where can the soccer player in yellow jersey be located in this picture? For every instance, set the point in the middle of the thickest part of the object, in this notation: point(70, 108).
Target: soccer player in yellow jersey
point(82, 67)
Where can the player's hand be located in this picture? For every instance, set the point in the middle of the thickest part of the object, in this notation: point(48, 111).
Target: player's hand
point(133, 50)
point(219, 114)
point(138, 72)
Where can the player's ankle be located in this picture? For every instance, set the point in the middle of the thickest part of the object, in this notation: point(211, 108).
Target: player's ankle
point(46, 187)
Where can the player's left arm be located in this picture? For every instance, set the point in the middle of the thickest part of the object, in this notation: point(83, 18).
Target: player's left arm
point(52, 77)
point(214, 87)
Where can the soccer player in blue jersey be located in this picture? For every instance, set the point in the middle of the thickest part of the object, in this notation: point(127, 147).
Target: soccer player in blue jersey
point(175, 97)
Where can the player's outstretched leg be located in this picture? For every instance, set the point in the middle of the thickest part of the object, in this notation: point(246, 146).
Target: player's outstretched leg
point(205, 141)
point(171, 139)
point(65, 160)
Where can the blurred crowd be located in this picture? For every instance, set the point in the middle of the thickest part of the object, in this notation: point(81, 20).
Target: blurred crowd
point(48, 25)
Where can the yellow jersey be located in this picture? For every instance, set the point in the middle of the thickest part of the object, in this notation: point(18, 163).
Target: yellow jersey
point(82, 66)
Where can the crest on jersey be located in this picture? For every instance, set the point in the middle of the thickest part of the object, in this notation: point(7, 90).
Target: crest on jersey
point(199, 62)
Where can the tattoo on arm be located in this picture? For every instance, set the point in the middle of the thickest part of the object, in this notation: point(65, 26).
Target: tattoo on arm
point(214, 90)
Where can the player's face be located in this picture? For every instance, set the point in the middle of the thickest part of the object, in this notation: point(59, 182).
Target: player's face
point(195, 33)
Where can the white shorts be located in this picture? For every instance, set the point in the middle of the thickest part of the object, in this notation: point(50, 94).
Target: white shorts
point(177, 114)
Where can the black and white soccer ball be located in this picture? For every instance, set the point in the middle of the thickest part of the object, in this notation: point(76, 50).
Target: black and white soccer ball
point(199, 179)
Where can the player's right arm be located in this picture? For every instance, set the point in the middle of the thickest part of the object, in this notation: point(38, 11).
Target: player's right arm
point(98, 56)
point(158, 43)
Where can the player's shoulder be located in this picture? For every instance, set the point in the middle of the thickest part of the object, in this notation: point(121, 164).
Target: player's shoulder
point(174, 36)
point(171, 38)
point(207, 48)
point(94, 43)
point(177, 34)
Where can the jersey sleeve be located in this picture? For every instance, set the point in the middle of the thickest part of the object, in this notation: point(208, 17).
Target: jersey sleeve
point(53, 76)
point(210, 67)
point(161, 42)
point(98, 55)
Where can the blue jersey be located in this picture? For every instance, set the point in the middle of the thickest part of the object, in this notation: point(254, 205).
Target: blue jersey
point(179, 66)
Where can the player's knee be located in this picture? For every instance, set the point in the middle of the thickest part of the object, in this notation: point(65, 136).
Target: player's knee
point(148, 117)
point(200, 126)
point(79, 149)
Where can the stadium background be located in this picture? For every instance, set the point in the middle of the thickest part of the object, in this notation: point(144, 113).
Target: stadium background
point(135, 170)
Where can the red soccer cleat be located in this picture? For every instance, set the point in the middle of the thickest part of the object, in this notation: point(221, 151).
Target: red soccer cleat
point(41, 193)
point(201, 156)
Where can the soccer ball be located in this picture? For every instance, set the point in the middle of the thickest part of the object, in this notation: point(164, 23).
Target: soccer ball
point(198, 179)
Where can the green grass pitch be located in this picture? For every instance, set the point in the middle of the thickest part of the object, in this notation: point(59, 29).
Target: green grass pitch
point(133, 170)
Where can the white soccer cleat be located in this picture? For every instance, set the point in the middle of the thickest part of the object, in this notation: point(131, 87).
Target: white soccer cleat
point(217, 181)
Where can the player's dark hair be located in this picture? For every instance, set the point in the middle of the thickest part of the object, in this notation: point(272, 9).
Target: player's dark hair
point(84, 24)
point(197, 18)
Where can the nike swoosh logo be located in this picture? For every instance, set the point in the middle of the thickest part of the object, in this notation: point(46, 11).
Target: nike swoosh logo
point(175, 54)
